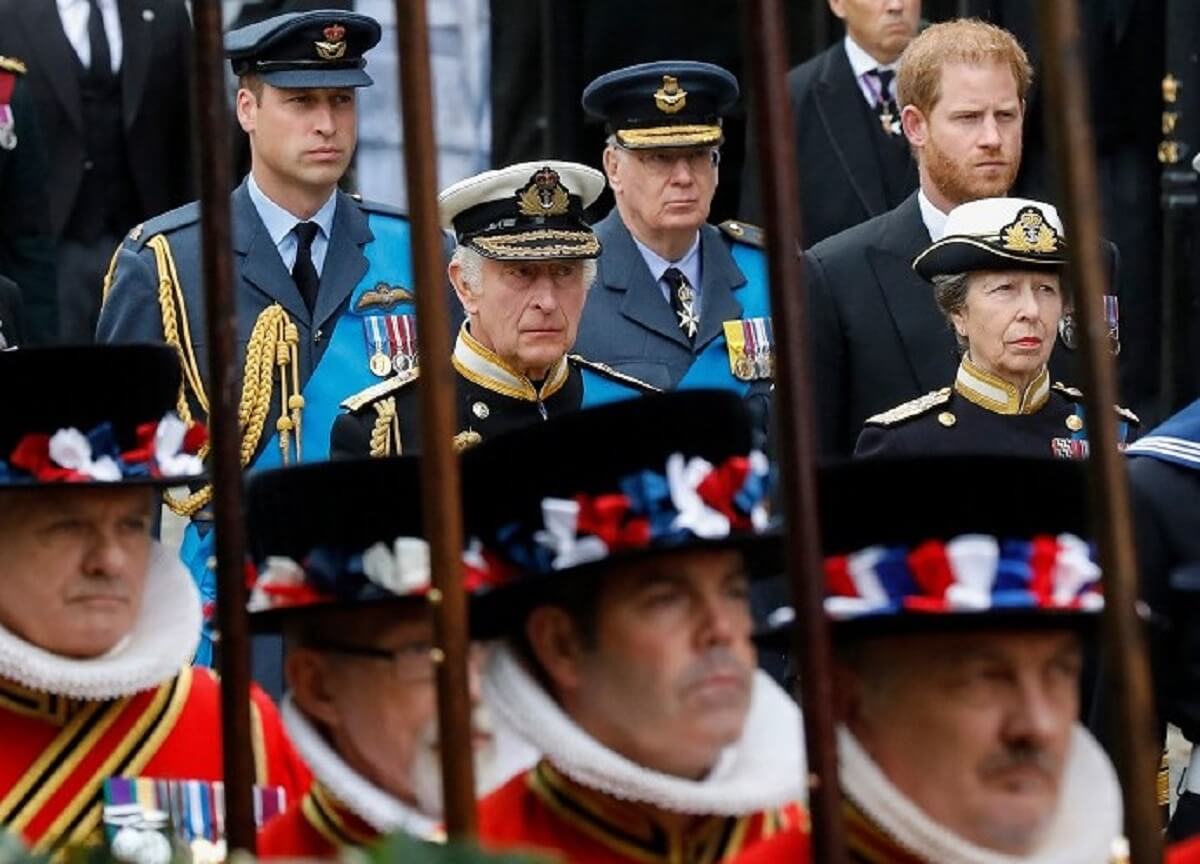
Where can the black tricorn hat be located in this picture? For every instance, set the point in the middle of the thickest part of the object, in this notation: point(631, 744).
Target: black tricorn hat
point(565, 499)
point(997, 544)
point(300, 50)
point(94, 415)
point(333, 535)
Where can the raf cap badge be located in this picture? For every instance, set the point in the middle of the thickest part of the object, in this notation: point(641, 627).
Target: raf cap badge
point(543, 195)
point(334, 46)
point(670, 97)
point(1030, 232)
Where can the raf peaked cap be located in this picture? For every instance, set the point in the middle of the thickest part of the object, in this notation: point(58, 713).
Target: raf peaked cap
point(672, 103)
point(996, 234)
point(531, 211)
point(323, 48)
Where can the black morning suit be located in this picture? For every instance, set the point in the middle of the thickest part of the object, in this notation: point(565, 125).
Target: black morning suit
point(849, 169)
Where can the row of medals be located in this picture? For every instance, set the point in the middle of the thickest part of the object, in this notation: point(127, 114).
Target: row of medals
point(754, 367)
point(382, 365)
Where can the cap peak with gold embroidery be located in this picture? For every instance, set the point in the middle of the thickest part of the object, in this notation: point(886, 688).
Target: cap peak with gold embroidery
point(670, 103)
point(301, 50)
point(530, 211)
point(997, 234)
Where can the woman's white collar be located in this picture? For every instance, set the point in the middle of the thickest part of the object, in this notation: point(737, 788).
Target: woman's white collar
point(383, 812)
point(763, 770)
point(1083, 830)
point(163, 641)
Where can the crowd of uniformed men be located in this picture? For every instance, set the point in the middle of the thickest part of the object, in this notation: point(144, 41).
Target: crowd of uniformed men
point(613, 392)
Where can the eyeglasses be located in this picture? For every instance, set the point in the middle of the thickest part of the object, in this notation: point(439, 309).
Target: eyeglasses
point(662, 162)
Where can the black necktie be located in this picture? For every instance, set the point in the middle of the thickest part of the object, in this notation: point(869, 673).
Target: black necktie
point(303, 271)
point(683, 301)
point(100, 68)
point(885, 105)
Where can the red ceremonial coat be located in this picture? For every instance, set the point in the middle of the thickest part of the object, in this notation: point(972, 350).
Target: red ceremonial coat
point(57, 752)
point(792, 847)
point(317, 828)
point(543, 811)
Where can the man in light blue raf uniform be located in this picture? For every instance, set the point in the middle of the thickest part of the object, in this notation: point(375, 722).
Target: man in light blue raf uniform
point(522, 268)
point(678, 303)
point(317, 272)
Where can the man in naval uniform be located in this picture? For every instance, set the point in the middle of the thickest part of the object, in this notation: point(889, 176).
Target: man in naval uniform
point(98, 622)
point(678, 303)
point(618, 582)
point(1164, 483)
point(315, 269)
point(522, 269)
point(349, 589)
point(959, 628)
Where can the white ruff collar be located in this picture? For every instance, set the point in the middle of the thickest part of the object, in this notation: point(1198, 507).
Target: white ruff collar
point(1083, 830)
point(762, 771)
point(163, 640)
point(382, 811)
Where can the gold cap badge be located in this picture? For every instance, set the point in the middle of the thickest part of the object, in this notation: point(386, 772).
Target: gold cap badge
point(543, 195)
point(334, 46)
point(670, 98)
point(1030, 232)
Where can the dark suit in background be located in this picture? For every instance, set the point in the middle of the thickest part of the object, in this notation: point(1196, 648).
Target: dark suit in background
point(878, 338)
point(26, 245)
point(849, 169)
point(120, 145)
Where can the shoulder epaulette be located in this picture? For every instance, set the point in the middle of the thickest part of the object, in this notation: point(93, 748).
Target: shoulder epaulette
point(912, 408)
point(389, 385)
point(1076, 395)
point(608, 372)
point(744, 232)
point(172, 220)
point(377, 206)
point(12, 64)
point(1128, 415)
point(1072, 393)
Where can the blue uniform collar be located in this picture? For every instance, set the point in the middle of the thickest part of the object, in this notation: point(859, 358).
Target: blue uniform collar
point(279, 222)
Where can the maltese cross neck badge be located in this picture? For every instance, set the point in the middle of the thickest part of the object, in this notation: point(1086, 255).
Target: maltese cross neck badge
point(683, 301)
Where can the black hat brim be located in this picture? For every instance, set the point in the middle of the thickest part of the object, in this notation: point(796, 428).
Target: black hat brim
point(952, 255)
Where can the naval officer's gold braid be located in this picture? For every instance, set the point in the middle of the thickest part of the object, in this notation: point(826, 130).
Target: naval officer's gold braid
point(381, 431)
point(173, 309)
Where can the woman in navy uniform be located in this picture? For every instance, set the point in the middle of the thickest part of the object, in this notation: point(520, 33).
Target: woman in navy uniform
point(997, 275)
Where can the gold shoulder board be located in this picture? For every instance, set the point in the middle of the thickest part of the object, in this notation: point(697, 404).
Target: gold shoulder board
point(912, 408)
point(744, 232)
point(609, 372)
point(1128, 415)
point(383, 388)
point(12, 64)
point(1072, 393)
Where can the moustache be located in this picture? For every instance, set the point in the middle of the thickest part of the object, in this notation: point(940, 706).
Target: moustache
point(718, 661)
point(1022, 756)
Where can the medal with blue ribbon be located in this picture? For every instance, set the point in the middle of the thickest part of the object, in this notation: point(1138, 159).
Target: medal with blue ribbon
point(375, 333)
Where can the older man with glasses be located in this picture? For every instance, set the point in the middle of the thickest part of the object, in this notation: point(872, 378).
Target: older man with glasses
point(677, 302)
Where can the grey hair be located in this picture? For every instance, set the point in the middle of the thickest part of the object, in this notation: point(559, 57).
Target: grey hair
point(471, 264)
point(950, 292)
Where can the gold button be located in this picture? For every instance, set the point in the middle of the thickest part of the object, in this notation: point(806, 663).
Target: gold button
point(480, 410)
point(947, 419)
point(1074, 423)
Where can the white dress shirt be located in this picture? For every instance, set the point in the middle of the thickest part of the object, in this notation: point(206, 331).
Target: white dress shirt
point(934, 219)
point(861, 63)
point(75, 15)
